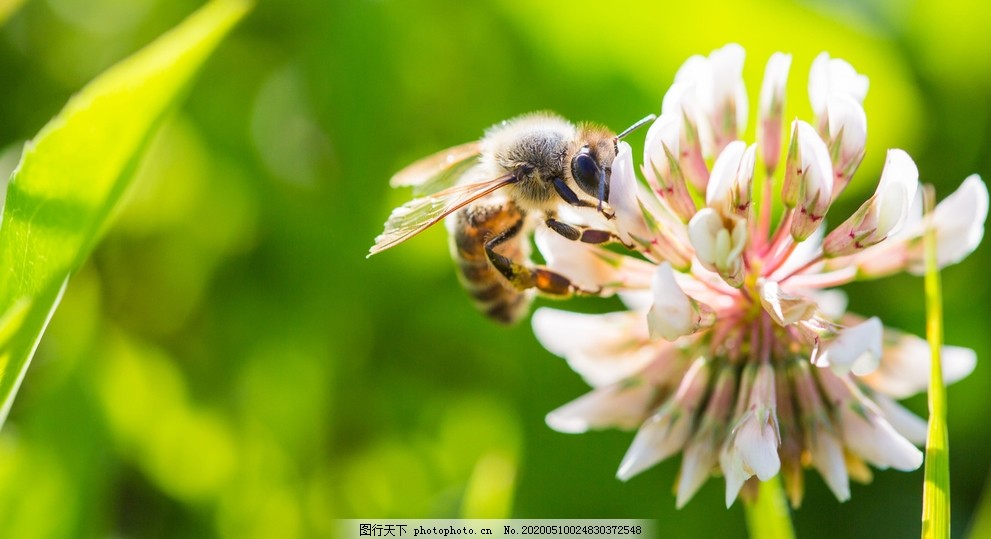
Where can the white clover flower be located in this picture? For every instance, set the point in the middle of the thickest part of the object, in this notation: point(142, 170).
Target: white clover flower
point(736, 350)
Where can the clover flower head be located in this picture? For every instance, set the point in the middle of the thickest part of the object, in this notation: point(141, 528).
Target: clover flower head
point(736, 349)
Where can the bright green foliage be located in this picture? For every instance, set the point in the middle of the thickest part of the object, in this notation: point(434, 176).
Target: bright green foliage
point(73, 174)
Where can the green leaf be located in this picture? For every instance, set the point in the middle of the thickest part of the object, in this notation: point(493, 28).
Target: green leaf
point(72, 176)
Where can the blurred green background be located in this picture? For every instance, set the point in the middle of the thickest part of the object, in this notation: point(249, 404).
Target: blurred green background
point(228, 363)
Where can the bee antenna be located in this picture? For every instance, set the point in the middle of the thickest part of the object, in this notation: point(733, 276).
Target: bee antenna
point(634, 127)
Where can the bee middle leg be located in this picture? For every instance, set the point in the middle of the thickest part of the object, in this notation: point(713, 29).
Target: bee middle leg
point(585, 234)
point(523, 276)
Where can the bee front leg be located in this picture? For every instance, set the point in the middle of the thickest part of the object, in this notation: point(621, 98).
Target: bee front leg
point(524, 277)
point(585, 234)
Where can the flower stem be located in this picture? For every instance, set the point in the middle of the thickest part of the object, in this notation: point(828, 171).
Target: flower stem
point(768, 516)
point(936, 492)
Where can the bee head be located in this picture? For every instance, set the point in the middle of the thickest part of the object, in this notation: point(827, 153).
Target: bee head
point(591, 164)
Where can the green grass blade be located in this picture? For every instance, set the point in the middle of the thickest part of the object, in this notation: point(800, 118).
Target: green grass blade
point(73, 173)
point(936, 492)
point(768, 516)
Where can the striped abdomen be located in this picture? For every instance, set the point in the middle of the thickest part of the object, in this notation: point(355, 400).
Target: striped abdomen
point(469, 229)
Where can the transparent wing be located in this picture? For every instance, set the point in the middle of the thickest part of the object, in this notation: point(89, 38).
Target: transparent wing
point(439, 171)
point(419, 214)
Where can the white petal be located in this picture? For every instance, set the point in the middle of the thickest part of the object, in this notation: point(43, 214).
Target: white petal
point(758, 446)
point(832, 302)
point(802, 255)
point(665, 131)
point(732, 466)
point(905, 365)
point(775, 79)
point(856, 348)
point(661, 436)
point(741, 103)
point(695, 67)
point(959, 225)
point(696, 467)
point(844, 79)
point(672, 315)
point(573, 259)
point(827, 457)
point(620, 405)
point(898, 185)
point(723, 178)
point(847, 120)
point(834, 76)
point(623, 196)
point(726, 65)
point(816, 162)
point(602, 348)
point(758, 437)
point(819, 83)
point(906, 423)
point(874, 439)
point(665, 432)
point(702, 231)
point(784, 308)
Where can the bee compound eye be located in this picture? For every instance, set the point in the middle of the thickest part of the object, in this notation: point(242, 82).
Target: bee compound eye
point(586, 173)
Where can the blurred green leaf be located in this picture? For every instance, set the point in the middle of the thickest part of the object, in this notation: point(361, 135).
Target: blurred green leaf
point(72, 176)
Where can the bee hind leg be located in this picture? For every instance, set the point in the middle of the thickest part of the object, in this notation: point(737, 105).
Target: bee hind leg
point(524, 277)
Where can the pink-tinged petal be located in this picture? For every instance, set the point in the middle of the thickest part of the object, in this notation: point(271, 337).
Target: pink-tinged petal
point(719, 191)
point(662, 169)
point(664, 133)
point(772, 89)
point(602, 348)
point(882, 214)
point(856, 349)
point(702, 452)
point(847, 136)
point(771, 109)
point(681, 102)
point(827, 457)
point(757, 438)
point(803, 254)
point(895, 192)
point(717, 106)
point(730, 182)
point(905, 365)
point(783, 307)
point(673, 313)
point(959, 222)
point(752, 447)
point(808, 184)
point(664, 433)
point(912, 427)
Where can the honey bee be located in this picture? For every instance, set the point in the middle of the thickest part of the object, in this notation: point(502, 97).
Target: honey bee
point(495, 190)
